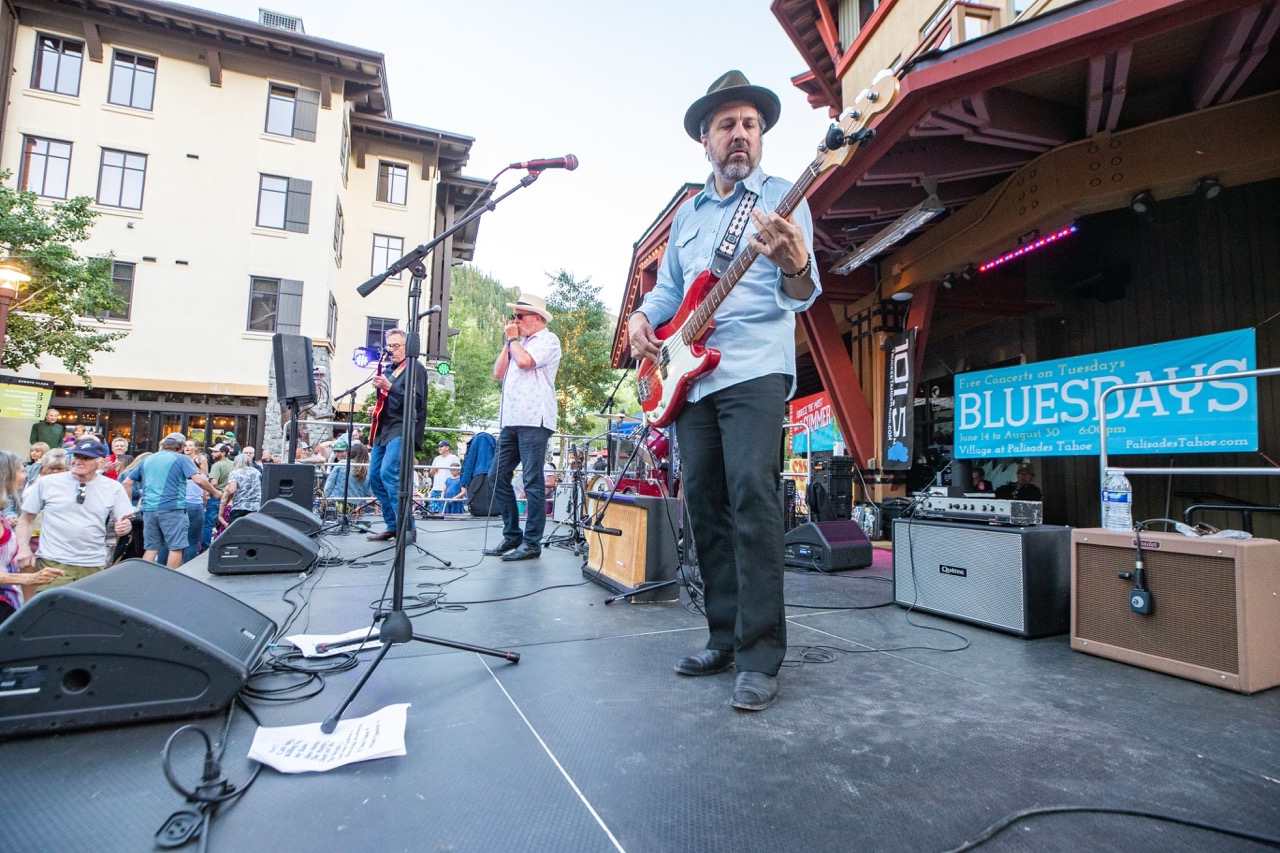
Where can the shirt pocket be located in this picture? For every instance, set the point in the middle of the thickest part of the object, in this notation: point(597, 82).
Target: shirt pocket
point(690, 251)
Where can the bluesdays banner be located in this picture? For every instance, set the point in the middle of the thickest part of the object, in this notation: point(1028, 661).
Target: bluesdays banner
point(1049, 408)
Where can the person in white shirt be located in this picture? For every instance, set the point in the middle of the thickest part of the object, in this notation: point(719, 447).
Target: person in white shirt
point(439, 471)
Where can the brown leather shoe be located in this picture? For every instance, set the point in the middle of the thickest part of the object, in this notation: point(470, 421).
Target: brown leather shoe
point(384, 536)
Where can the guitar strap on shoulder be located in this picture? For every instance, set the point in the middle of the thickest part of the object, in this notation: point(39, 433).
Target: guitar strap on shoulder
point(728, 245)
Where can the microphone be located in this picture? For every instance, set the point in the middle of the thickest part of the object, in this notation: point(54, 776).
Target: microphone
point(598, 528)
point(568, 161)
point(434, 309)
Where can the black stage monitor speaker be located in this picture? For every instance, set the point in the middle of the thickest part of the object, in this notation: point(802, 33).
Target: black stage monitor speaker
point(257, 543)
point(1012, 579)
point(133, 642)
point(295, 380)
point(1215, 605)
point(305, 522)
point(827, 546)
point(645, 552)
point(293, 481)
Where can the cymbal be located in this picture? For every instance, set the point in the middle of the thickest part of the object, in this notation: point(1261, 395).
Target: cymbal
point(621, 417)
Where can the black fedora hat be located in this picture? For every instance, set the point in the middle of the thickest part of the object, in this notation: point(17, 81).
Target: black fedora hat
point(732, 86)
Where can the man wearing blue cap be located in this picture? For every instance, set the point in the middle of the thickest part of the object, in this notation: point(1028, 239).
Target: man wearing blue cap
point(78, 505)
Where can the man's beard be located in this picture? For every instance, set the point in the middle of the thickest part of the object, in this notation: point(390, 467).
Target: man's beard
point(730, 170)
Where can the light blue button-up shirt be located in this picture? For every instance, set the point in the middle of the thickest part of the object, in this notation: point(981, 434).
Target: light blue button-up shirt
point(755, 325)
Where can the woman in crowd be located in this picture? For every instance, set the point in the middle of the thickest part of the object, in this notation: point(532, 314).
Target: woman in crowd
point(35, 454)
point(12, 479)
point(244, 489)
point(358, 486)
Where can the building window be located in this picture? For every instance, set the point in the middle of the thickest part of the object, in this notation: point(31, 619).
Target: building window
point(275, 305)
point(57, 66)
point(386, 251)
point(292, 112)
point(376, 330)
point(331, 327)
point(121, 178)
point(46, 163)
point(339, 229)
point(393, 181)
point(284, 203)
point(122, 281)
point(133, 80)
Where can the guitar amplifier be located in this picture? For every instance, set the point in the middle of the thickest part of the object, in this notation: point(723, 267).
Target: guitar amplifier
point(1012, 579)
point(1215, 606)
point(645, 553)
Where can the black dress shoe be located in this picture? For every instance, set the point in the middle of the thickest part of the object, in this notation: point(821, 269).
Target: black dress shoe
point(754, 691)
point(707, 662)
point(384, 536)
point(524, 552)
point(503, 547)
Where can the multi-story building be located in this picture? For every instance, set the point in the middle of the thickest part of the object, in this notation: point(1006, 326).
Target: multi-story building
point(248, 177)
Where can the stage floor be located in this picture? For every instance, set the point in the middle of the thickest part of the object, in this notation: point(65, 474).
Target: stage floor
point(884, 738)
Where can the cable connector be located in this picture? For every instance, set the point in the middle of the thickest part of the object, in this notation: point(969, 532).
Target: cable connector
point(180, 828)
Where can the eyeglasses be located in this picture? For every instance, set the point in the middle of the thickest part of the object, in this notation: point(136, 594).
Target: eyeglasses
point(80, 493)
point(395, 346)
point(522, 316)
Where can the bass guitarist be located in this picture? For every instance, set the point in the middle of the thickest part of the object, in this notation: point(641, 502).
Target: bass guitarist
point(730, 426)
point(386, 432)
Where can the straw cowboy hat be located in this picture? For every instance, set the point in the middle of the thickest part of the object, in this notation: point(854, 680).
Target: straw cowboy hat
point(732, 86)
point(534, 304)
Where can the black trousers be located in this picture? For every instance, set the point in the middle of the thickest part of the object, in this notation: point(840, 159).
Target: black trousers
point(729, 446)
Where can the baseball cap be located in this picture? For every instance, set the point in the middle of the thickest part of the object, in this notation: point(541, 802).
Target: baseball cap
point(89, 447)
point(222, 448)
point(341, 443)
point(175, 436)
point(443, 443)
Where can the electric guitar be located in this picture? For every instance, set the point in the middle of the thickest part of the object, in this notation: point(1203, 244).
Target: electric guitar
point(377, 406)
point(683, 357)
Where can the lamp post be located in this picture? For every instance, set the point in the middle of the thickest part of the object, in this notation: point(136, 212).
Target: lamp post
point(10, 281)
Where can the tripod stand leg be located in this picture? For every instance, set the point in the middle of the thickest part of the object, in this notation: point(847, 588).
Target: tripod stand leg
point(514, 657)
point(331, 722)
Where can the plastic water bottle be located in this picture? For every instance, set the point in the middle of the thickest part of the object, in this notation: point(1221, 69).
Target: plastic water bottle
point(1117, 501)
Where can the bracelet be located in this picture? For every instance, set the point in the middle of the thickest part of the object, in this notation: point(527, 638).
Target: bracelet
point(804, 270)
point(512, 340)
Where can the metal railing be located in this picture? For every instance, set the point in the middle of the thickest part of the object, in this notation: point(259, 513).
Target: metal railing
point(1103, 466)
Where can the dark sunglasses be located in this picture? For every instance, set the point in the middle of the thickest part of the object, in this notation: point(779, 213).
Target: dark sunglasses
point(80, 493)
point(522, 316)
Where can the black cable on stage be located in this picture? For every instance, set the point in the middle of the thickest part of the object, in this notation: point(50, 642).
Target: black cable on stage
point(1004, 823)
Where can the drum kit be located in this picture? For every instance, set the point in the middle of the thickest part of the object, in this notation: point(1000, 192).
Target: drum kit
point(648, 466)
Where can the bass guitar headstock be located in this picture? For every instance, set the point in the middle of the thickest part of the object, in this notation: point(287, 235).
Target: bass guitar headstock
point(844, 136)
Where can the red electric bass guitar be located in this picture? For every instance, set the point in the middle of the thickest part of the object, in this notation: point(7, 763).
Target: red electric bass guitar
point(684, 357)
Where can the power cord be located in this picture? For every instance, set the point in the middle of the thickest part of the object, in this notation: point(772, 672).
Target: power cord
point(213, 790)
point(1004, 823)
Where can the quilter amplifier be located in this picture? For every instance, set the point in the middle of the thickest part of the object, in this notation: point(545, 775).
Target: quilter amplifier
point(984, 510)
point(1012, 579)
point(1215, 605)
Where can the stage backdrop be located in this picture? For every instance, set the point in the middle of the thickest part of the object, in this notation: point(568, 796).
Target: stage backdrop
point(1049, 408)
point(815, 411)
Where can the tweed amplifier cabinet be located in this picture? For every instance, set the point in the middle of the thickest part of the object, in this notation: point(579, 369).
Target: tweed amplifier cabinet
point(645, 552)
point(134, 642)
point(1012, 579)
point(1215, 606)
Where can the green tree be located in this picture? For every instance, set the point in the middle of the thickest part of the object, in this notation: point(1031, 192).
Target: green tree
point(582, 324)
point(477, 308)
point(58, 313)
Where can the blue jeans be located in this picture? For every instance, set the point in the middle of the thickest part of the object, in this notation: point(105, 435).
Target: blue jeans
point(730, 443)
point(195, 522)
point(526, 446)
point(210, 517)
point(384, 479)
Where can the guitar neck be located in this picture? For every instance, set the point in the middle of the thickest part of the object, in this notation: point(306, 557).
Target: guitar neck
point(697, 322)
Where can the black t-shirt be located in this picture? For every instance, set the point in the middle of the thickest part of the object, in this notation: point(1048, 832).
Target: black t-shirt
point(391, 418)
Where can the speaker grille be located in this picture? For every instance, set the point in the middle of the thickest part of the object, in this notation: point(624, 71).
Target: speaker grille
point(1194, 614)
point(973, 572)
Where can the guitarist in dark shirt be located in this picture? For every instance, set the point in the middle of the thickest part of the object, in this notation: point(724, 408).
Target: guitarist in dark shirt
point(730, 428)
point(387, 429)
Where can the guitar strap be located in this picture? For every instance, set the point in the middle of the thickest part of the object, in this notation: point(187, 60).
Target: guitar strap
point(728, 245)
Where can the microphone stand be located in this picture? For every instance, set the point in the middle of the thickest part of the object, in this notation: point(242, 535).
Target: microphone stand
point(608, 440)
point(345, 524)
point(397, 628)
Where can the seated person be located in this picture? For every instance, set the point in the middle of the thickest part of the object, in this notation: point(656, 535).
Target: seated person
point(979, 481)
point(1023, 489)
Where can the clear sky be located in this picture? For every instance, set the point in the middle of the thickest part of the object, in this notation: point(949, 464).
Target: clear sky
point(605, 80)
